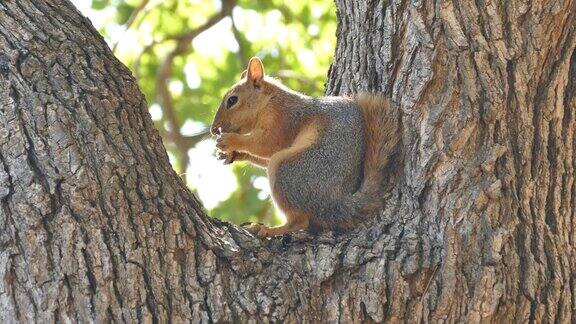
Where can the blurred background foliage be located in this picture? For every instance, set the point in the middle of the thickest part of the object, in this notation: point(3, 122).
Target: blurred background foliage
point(187, 53)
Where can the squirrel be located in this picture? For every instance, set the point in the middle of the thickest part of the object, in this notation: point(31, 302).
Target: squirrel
point(325, 156)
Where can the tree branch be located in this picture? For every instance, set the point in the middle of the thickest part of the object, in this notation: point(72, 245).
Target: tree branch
point(241, 50)
point(132, 19)
point(165, 73)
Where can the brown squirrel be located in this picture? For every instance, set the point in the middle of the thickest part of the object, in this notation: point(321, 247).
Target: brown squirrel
point(325, 156)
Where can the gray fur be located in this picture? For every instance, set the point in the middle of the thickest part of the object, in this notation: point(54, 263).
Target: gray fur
point(323, 179)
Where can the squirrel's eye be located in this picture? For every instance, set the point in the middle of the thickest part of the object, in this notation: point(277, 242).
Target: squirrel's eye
point(232, 100)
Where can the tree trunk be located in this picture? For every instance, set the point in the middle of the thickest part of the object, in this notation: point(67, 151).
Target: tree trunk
point(479, 223)
point(482, 214)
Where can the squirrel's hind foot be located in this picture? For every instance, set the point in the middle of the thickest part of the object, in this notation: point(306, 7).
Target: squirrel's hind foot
point(263, 231)
point(255, 229)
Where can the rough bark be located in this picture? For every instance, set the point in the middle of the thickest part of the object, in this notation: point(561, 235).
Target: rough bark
point(480, 207)
point(484, 206)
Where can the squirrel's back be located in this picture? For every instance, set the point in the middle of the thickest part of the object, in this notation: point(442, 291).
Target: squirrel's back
point(338, 178)
point(333, 162)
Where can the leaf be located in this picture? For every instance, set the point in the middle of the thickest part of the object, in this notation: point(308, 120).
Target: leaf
point(99, 4)
point(124, 11)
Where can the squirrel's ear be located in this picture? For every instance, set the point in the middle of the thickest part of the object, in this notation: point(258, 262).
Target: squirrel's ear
point(243, 75)
point(255, 70)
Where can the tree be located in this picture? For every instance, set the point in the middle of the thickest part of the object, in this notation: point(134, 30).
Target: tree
point(478, 223)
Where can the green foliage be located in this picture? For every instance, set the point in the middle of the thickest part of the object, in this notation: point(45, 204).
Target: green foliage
point(255, 207)
point(295, 40)
point(99, 4)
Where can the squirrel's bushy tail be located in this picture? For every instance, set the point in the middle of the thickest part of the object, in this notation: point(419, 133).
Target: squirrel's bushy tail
point(382, 134)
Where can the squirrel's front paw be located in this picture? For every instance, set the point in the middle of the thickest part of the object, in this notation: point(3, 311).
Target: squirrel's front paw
point(227, 142)
point(228, 157)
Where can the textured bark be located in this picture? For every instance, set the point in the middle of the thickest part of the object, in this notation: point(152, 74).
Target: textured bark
point(483, 209)
point(480, 206)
